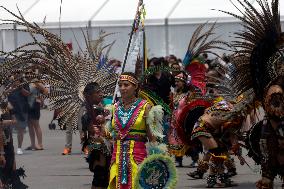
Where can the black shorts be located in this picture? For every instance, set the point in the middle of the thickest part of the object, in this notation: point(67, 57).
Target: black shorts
point(34, 112)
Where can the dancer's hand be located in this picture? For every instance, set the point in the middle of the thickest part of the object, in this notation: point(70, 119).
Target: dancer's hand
point(2, 161)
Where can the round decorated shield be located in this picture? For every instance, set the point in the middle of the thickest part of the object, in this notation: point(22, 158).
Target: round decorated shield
point(156, 172)
point(252, 142)
point(189, 116)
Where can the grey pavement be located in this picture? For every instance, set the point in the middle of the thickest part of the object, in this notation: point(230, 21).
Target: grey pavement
point(48, 169)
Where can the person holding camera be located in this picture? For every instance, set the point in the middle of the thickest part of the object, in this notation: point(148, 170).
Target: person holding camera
point(19, 103)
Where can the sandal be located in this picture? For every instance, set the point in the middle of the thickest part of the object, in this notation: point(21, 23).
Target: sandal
point(29, 148)
point(36, 149)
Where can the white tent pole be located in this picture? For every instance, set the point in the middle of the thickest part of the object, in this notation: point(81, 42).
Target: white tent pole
point(3, 40)
point(15, 36)
point(167, 40)
point(167, 37)
point(97, 12)
point(28, 9)
point(89, 29)
point(93, 16)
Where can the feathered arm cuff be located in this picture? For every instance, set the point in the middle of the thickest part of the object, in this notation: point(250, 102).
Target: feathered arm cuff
point(154, 121)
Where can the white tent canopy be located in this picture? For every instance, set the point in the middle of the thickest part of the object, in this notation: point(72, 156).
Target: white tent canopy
point(156, 12)
point(23, 5)
point(169, 23)
point(201, 11)
point(74, 13)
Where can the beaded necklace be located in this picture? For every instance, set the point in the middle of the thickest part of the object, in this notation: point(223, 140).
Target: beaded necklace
point(125, 114)
point(124, 119)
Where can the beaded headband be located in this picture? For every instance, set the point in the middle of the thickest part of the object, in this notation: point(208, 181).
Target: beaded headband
point(128, 78)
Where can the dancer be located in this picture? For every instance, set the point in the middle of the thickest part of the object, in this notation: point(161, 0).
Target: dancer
point(210, 130)
point(95, 135)
point(176, 146)
point(9, 176)
point(203, 164)
point(210, 126)
point(197, 100)
point(131, 127)
point(261, 48)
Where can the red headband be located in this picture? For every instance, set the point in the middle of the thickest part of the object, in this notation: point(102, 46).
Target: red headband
point(128, 78)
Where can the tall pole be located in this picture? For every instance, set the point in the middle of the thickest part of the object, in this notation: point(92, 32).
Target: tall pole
point(3, 40)
point(134, 24)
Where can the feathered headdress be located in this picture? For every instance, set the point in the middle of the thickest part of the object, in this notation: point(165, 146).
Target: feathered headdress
point(258, 50)
point(200, 43)
point(68, 74)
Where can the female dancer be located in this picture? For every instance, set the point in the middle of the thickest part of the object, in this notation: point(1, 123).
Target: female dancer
point(131, 131)
point(177, 145)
